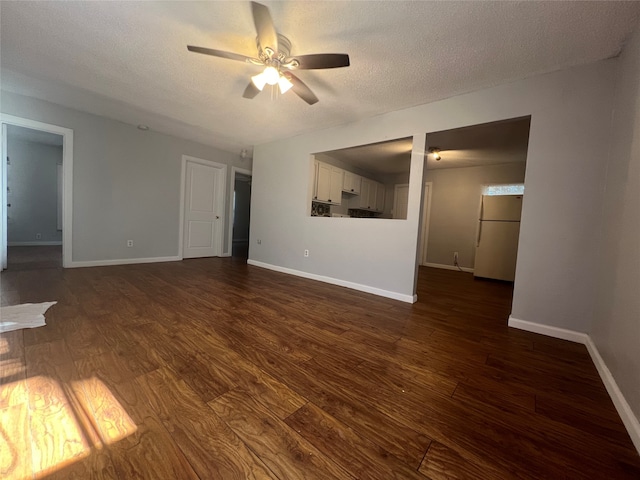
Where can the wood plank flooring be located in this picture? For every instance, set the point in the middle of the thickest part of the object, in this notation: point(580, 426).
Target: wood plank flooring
point(214, 369)
point(34, 257)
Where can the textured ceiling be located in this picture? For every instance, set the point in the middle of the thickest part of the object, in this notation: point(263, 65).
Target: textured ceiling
point(128, 60)
point(389, 157)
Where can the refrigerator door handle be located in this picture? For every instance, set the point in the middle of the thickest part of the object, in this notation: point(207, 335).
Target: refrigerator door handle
point(479, 234)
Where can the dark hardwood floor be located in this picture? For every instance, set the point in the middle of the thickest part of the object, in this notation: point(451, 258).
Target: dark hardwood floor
point(215, 369)
point(34, 257)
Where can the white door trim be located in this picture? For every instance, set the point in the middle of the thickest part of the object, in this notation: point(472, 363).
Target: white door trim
point(67, 180)
point(232, 188)
point(3, 198)
point(220, 198)
point(426, 220)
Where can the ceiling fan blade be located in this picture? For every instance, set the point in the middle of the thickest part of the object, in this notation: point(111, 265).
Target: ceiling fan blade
point(251, 91)
point(318, 61)
point(223, 54)
point(267, 35)
point(301, 89)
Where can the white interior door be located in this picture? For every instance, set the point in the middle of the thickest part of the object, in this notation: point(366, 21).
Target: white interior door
point(401, 201)
point(203, 207)
point(3, 199)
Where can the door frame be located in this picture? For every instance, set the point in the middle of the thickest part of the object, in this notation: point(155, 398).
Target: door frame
point(221, 194)
point(234, 170)
point(424, 225)
point(67, 184)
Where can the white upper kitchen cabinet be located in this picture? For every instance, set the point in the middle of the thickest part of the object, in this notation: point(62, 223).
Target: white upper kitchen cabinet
point(351, 183)
point(367, 198)
point(328, 183)
point(337, 176)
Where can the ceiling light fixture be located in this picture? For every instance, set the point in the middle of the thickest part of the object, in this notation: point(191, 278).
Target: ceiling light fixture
point(144, 128)
point(285, 84)
point(436, 153)
point(271, 76)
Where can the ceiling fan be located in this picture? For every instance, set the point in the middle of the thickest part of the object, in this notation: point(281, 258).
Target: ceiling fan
point(274, 54)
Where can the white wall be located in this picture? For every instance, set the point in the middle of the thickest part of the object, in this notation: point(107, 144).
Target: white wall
point(555, 279)
point(455, 199)
point(33, 191)
point(126, 182)
point(616, 329)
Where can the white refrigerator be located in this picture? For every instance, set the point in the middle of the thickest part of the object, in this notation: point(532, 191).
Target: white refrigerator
point(497, 241)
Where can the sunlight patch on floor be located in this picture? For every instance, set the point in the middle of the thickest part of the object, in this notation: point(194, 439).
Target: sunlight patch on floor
point(55, 425)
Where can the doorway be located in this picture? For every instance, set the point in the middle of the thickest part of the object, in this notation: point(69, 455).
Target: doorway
point(201, 223)
point(34, 198)
point(240, 213)
point(460, 164)
point(36, 189)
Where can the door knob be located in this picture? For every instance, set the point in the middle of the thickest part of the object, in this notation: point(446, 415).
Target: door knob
point(217, 217)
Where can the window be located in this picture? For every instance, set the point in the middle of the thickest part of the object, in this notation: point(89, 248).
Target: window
point(510, 189)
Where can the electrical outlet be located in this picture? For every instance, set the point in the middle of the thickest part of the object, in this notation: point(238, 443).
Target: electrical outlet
point(38, 236)
point(306, 253)
point(129, 243)
point(259, 242)
point(455, 258)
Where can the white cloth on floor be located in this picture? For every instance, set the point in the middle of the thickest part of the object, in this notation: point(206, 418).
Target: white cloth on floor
point(27, 315)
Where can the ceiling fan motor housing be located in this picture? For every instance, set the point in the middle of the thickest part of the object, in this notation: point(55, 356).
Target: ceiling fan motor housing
point(274, 52)
point(284, 50)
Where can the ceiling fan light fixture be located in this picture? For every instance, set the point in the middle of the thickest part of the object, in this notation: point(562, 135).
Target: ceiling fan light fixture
point(259, 81)
point(274, 54)
point(285, 84)
point(271, 75)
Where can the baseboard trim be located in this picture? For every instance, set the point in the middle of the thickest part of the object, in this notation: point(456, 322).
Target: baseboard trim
point(548, 330)
point(630, 421)
point(334, 281)
point(33, 244)
point(122, 261)
point(448, 267)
